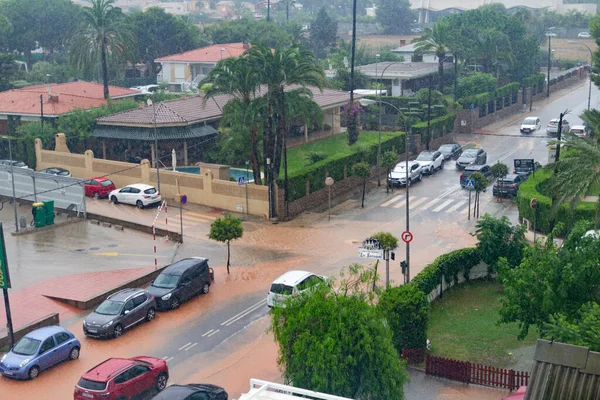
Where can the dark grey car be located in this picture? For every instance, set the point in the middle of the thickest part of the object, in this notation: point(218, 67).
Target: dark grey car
point(471, 156)
point(120, 311)
point(451, 151)
point(180, 282)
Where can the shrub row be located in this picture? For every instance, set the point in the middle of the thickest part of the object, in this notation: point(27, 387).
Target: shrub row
point(438, 126)
point(545, 216)
point(334, 166)
point(536, 80)
point(480, 99)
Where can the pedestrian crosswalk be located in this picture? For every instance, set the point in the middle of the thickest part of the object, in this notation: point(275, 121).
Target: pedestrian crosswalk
point(190, 220)
point(432, 204)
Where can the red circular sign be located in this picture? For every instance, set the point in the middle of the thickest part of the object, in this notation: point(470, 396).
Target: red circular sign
point(406, 236)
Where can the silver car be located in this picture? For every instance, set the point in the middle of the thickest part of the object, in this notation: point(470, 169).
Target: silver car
point(398, 175)
point(120, 311)
point(552, 128)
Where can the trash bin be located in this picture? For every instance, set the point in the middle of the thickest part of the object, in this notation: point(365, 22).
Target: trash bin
point(39, 214)
point(49, 208)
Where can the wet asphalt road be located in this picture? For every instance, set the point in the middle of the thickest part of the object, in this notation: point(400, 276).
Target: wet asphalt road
point(207, 322)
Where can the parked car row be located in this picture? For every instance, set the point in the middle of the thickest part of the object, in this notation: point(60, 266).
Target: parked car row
point(533, 124)
point(120, 378)
point(138, 194)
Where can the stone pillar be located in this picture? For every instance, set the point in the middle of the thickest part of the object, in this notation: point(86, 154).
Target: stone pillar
point(61, 143)
point(38, 153)
point(185, 153)
point(104, 149)
point(89, 162)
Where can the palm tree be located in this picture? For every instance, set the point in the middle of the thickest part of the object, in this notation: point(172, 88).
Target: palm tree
point(578, 172)
point(437, 39)
point(592, 121)
point(101, 35)
point(280, 69)
point(236, 77)
point(492, 48)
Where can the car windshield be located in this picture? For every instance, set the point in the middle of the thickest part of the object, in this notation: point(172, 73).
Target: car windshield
point(26, 346)
point(18, 164)
point(529, 121)
point(446, 148)
point(280, 288)
point(165, 281)
point(109, 307)
point(425, 157)
point(150, 191)
point(91, 385)
point(106, 183)
point(62, 172)
point(470, 153)
point(577, 130)
point(507, 181)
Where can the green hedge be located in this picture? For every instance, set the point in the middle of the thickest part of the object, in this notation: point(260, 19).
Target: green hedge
point(480, 99)
point(537, 79)
point(437, 126)
point(450, 265)
point(531, 189)
point(334, 166)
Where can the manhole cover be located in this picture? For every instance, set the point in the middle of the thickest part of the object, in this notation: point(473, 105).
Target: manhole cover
point(94, 248)
point(80, 250)
point(112, 245)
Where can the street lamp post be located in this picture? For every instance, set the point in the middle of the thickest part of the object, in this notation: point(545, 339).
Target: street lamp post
point(378, 96)
point(591, 66)
point(366, 102)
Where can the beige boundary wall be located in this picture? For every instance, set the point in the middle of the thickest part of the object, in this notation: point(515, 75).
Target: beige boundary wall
point(202, 189)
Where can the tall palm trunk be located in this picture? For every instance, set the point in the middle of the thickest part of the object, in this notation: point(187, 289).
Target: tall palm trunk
point(104, 68)
point(441, 57)
point(254, 156)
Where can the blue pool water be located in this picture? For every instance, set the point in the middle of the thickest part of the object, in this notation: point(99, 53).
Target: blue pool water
point(234, 173)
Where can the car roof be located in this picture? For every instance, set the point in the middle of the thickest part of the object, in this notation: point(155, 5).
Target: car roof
point(532, 117)
point(510, 177)
point(179, 267)
point(141, 186)
point(99, 179)
point(475, 167)
point(578, 127)
point(43, 333)
point(107, 369)
point(293, 277)
point(124, 294)
point(471, 150)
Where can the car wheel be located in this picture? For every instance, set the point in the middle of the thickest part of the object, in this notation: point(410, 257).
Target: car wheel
point(205, 288)
point(118, 331)
point(175, 303)
point(442, 165)
point(139, 204)
point(114, 200)
point(420, 177)
point(96, 195)
point(150, 314)
point(161, 382)
point(74, 354)
point(34, 372)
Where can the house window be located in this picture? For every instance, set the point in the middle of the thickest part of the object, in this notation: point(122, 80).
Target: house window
point(179, 71)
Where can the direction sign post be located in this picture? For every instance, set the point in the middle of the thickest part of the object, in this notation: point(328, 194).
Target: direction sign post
point(470, 186)
point(5, 284)
point(182, 201)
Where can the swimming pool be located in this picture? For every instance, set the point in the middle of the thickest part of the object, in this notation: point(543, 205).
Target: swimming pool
point(234, 173)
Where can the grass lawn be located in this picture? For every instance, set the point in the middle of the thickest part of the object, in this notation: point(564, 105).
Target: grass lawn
point(337, 144)
point(463, 326)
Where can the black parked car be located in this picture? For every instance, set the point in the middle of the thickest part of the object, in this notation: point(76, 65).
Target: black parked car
point(508, 186)
point(484, 170)
point(471, 156)
point(180, 282)
point(451, 151)
point(193, 391)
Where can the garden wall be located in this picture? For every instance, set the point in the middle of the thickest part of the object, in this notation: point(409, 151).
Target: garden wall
point(205, 188)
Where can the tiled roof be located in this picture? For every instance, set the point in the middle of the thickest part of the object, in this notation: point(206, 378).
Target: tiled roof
point(192, 109)
point(147, 134)
point(210, 54)
point(26, 101)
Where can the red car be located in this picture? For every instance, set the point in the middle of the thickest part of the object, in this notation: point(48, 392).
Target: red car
point(123, 378)
point(98, 187)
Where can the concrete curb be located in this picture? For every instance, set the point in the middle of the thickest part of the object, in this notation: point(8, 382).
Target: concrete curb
point(30, 230)
point(122, 224)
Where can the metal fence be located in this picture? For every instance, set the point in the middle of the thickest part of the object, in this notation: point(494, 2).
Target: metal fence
point(67, 193)
point(467, 372)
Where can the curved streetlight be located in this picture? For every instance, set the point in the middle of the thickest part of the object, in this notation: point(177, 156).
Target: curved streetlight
point(367, 102)
point(591, 66)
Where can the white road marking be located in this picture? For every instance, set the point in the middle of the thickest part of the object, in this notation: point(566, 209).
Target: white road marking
point(456, 206)
point(191, 346)
point(213, 333)
point(395, 199)
point(401, 204)
point(442, 206)
point(242, 315)
point(165, 357)
point(207, 332)
point(419, 201)
point(169, 359)
point(247, 310)
point(183, 347)
point(466, 210)
point(431, 203)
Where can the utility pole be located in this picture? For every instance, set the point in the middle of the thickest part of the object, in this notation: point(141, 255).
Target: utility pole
point(156, 148)
point(353, 52)
point(549, 64)
point(407, 276)
point(268, 10)
point(42, 111)
point(378, 96)
point(428, 139)
point(559, 137)
point(12, 179)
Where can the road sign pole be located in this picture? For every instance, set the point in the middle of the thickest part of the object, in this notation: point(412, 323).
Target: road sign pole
point(181, 219)
point(387, 269)
point(5, 285)
point(469, 218)
point(247, 162)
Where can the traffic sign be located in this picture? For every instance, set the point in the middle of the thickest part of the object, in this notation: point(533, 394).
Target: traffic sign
point(470, 184)
point(183, 199)
point(371, 254)
point(241, 181)
point(407, 237)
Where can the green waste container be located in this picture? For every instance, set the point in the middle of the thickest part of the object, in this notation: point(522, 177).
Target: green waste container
point(39, 214)
point(49, 209)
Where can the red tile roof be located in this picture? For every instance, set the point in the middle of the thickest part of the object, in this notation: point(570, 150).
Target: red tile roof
point(191, 110)
point(71, 95)
point(210, 54)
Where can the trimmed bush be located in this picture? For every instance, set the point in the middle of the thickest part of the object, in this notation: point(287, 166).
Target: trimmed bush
point(483, 98)
point(450, 265)
point(406, 310)
point(437, 127)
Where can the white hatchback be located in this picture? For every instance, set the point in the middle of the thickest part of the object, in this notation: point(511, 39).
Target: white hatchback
point(137, 194)
point(291, 283)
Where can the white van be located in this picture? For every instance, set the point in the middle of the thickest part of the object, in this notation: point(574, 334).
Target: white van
point(291, 283)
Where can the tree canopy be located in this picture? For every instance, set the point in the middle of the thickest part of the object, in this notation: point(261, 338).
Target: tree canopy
point(337, 342)
point(499, 238)
point(323, 33)
point(225, 230)
point(395, 16)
